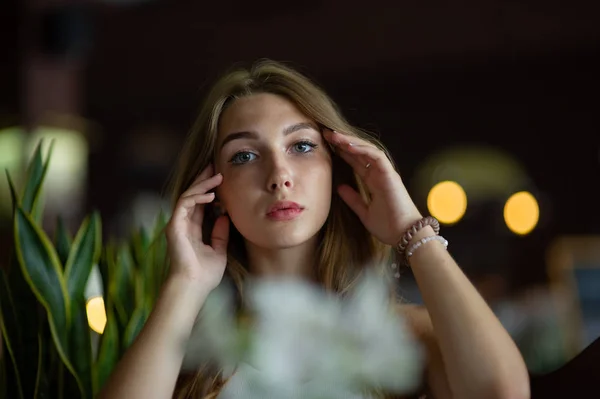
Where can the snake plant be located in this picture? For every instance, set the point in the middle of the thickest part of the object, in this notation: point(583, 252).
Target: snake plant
point(47, 342)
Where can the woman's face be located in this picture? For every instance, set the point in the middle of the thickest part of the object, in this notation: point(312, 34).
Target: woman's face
point(276, 166)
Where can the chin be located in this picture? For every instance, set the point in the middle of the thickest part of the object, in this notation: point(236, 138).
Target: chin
point(281, 239)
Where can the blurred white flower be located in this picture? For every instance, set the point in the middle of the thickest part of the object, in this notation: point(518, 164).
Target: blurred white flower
point(215, 336)
point(294, 320)
point(305, 340)
point(390, 357)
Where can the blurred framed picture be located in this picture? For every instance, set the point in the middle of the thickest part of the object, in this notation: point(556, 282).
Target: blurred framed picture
point(574, 273)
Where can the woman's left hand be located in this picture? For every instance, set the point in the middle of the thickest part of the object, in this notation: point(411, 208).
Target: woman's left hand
point(391, 211)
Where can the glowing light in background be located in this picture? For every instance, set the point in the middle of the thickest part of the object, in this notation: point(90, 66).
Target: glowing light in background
point(11, 146)
point(521, 212)
point(447, 202)
point(486, 173)
point(96, 314)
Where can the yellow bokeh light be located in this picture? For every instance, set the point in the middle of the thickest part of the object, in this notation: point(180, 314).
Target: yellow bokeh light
point(96, 314)
point(521, 212)
point(447, 202)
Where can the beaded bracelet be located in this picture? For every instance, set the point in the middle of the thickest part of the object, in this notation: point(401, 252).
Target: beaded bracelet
point(410, 233)
point(423, 241)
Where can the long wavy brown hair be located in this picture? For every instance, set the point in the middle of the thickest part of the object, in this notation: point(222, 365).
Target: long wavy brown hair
point(346, 247)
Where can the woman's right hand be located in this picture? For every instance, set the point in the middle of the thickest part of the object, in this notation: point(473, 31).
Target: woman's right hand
point(190, 257)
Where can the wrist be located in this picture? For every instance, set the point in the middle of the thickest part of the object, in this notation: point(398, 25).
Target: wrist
point(415, 252)
point(423, 227)
point(184, 277)
point(426, 231)
point(190, 292)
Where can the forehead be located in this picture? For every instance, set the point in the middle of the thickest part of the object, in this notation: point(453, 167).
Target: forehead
point(258, 112)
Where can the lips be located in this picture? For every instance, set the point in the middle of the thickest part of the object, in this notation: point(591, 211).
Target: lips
point(284, 210)
point(283, 205)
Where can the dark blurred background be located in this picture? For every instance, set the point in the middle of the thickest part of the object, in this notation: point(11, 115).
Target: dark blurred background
point(498, 96)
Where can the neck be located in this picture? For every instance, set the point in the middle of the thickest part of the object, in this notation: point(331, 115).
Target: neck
point(297, 262)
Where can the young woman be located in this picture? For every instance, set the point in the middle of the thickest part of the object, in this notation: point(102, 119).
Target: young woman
point(273, 181)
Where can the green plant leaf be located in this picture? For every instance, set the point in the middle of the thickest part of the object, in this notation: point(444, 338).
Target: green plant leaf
point(37, 212)
point(116, 266)
point(141, 288)
point(3, 377)
point(159, 234)
point(36, 172)
point(13, 192)
point(157, 258)
point(135, 325)
point(62, 241)
point(10, 331)
point(80, 346)
point(121, 289)
point(41, 269)
point(45, 352)
point(55, 367)
point(108, 352)
point(40, 266)
point(33, 178)
point(107, 256)
point(84, 253)
point(40, 367)
point(140, 242)
point(20, 326)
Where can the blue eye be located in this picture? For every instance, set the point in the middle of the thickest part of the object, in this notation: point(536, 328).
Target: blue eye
point(242, 157)
point(304, 146)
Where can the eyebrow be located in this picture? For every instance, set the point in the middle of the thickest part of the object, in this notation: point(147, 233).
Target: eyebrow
point(253, 135)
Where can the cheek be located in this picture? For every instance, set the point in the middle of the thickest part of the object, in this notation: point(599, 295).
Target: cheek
point(235, 191)
point(318, 174)
point(318, 181)
point(227, 191)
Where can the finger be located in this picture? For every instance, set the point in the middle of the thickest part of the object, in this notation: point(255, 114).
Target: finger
point(202, 186)
point(334, 138)
point(369, 156)
point(366, 153)
point(208, 171)
point(364, 164)
point(341, 139)
point(356, 162)
point(353, 199)
point(205, 174)
point(220, 235)
point(186, 206)
point(364, 149)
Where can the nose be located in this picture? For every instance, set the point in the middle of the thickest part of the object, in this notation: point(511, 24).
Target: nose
point(280, 176)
